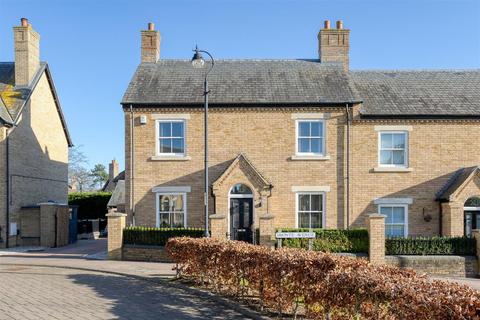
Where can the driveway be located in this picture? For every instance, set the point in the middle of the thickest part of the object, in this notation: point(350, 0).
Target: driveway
point(64, 284)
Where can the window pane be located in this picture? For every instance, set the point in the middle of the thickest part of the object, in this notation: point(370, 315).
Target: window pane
point(177, 220)
point(177, 145)
point(165, 129)
point(303, 220)
point(316, 129)
point(164, 203)
point(164, 220)
point(394, 231)
point(388, 212)
point(177, 203)
point(399, 141)
point(177, 129)
point(316, 145)
point(303, 145)
point(385, 157)
point(316, 200)
point(304, 202)
point(316, 220)
point(398, 157)
point(386, 142)
point(165, 146)
point(398, 215)
point(304, 129)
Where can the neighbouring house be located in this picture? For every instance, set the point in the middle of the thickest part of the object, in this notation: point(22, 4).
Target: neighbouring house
point(307, 142)
point(116, 185)
point(34, 142)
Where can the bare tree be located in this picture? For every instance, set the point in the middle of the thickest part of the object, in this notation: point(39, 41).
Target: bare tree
point(78, 175)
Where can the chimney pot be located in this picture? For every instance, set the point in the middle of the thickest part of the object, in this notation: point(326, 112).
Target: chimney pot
point(24, 22)
point(151, 26)
point(327, 24)
point(339, 24)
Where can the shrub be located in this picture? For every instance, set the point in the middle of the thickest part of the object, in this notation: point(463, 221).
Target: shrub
point(329, 286)
point(330, 240)
point(157, 236)
point(431, 246)
point(91, 205)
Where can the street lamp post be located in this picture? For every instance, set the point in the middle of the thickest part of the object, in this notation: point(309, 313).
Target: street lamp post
point(199, 62)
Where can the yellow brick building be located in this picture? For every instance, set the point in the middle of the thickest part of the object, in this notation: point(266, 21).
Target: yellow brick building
point(307, 141)
point(34, 139)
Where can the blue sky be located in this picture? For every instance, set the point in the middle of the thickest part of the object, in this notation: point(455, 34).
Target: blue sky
point(93, 46)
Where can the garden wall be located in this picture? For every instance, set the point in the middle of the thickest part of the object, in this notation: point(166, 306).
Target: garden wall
point(452, 266)
point(145, 253)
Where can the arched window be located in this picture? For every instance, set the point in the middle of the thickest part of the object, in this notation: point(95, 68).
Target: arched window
point(240, 189)
point(472, 202)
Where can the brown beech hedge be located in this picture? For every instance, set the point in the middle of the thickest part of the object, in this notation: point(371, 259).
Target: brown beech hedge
point(325, 286)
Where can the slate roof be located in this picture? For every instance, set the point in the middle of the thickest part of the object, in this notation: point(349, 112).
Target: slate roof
point(237, 82)
point(419, 92)
point(240, 82)
point(118, 195)
point(13, 99)
point(457, 179)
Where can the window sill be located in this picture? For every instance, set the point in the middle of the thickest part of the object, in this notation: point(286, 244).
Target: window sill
point(307, 157)
point(170, 158)
point(392, 169)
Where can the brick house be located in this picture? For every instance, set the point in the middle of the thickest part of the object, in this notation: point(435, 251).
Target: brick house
point(34, 138)
point(307, 143)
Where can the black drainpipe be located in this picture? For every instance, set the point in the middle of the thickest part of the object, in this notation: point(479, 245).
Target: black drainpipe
point(440, 222)
point(7, 180)
point(132, 165)
point(347, 177)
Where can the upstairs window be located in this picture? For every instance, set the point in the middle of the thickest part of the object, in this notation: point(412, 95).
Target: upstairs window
point(171, 137)
point(310, 137)
point(393, 149)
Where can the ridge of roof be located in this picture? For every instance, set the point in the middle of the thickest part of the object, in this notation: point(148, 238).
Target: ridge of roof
point(412, 70)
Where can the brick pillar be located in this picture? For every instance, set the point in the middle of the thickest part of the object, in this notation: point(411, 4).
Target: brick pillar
point(267, 230)
point(476, 235)
point(376, 238)
point(452, 219)
point(116, 224)
point(218, 226)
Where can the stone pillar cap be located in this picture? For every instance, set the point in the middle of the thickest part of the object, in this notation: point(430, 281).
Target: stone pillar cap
point(217, 216)
point(266, 216)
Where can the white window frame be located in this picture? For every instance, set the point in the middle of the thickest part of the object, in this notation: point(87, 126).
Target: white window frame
point(324, 206)
point(157, 198)
point(157, 138)
point(396, 205)
point(406, 150)
point(322, 135)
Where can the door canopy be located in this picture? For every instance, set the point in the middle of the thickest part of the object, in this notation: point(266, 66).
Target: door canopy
point(241, 172)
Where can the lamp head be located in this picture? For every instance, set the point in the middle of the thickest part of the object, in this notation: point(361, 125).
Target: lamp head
point(197, 59)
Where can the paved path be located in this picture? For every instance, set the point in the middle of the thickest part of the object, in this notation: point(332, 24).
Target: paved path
point(62, 284)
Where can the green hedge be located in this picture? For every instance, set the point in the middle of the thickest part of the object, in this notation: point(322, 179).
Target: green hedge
point(157, 236)
point(431, 246)
point(353, 240)
point(91, 205)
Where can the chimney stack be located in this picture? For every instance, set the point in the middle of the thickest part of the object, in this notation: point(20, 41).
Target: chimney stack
point(27, 52)
point(150, 44)
point(334, 44)
point(112, 170)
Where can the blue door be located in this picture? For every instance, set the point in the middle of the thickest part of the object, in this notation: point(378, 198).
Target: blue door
point(72, 224)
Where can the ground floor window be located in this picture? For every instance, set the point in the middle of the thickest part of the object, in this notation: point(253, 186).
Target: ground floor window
point(395, 220)
point(171, 210)
point(310, 210)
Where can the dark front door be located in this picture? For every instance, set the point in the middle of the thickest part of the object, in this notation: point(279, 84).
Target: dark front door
point(241, 219)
